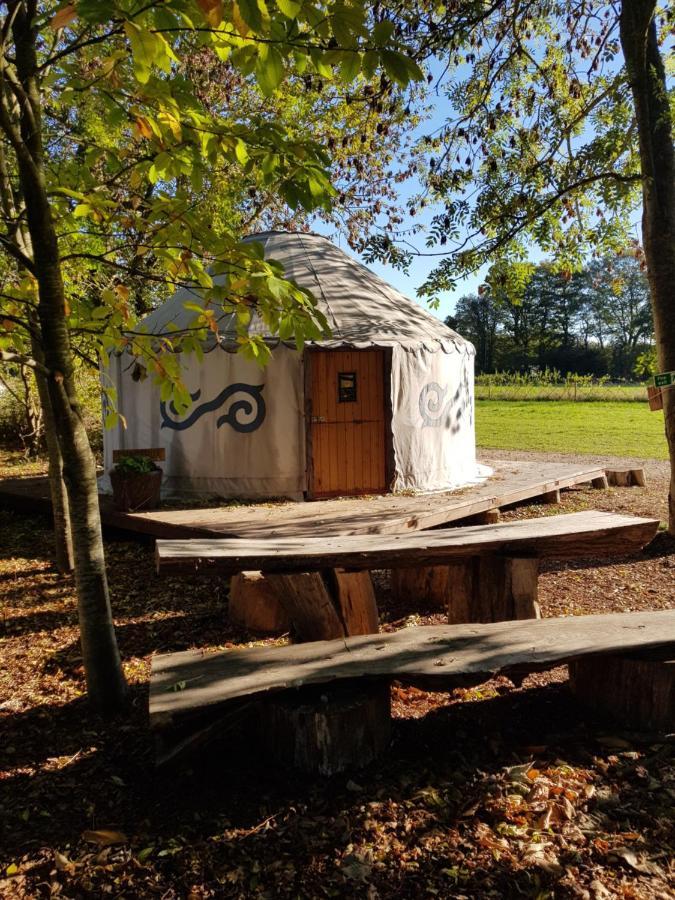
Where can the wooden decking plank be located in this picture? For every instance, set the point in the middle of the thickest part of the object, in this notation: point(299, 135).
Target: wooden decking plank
point(571, 536)
point(182, 683)
point(391, 514)
point(512, 482)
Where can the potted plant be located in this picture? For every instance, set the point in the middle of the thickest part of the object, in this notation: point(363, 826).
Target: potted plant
point(136, 483)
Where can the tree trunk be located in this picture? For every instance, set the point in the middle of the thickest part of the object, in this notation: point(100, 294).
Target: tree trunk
point(63, 540)
point(657, 161)
point(106, 686)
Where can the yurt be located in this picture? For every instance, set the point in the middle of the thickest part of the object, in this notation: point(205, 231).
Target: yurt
point(385, 404)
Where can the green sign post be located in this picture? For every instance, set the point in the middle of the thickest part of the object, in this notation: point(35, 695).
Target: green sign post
point(664, 379)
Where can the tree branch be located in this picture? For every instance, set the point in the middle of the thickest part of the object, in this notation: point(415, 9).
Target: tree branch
point(8, 356)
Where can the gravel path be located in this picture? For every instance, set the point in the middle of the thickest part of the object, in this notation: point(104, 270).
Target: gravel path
point(654, 468)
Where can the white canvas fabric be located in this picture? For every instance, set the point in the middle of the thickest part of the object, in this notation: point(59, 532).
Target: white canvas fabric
point(362, 310)
point(433, 419)
point(245, 435)
point(209, 454)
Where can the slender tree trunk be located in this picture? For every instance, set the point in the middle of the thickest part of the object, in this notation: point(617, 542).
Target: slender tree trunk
point(61, 516)
point(657, 159)
point(63, 539)
point(105, 680)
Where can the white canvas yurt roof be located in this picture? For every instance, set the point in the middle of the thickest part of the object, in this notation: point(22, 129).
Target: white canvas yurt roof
point(362, 310)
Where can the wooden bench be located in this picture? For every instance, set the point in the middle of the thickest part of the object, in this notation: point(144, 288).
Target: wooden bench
point(185, 685)
point(489, 572)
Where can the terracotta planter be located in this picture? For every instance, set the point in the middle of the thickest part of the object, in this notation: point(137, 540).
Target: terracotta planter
point(132, 493)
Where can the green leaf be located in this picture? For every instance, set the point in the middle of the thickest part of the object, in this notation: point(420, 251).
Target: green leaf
point(290, 8)
point(382, 32)
point(269, 72)
point(350, 66)
point(251, 14)
point(241, 152)
point(400, 68)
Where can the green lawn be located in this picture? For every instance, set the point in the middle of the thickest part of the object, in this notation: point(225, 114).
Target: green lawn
point(608, 429)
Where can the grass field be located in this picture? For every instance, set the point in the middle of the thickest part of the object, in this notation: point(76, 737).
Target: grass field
point(607, 429)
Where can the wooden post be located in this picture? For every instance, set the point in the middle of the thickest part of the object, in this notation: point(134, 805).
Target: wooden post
point(600, 483)
point(487, 517)
point(356, 602)
point(637, 689)
point(309, 605)
point(493, 589)
point(551, 496)
point(421, 587)
point(326, 729)
point(254, 604)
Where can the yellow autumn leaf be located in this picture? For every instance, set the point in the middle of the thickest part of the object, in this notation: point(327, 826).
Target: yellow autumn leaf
point(213, 11)
point(122, 292)
point(142, 127)
point(63, 17)
point(238, 21)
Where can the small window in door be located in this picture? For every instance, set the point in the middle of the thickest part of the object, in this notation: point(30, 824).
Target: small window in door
point(346, 387)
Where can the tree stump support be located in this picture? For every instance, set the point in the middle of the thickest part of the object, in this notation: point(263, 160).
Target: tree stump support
point(426, 586)
point(327, 729)
point(326, 605)
point(477, 589)
point(493, 589)
point(254, 605)
point(637, 689)
point(487, 517)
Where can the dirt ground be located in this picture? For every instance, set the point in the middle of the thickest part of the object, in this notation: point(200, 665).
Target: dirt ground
point(495, 791)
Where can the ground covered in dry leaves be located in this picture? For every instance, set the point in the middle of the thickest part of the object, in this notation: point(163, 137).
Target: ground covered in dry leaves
point(496, 791)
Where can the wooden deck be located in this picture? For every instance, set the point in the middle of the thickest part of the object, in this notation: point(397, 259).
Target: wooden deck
point(512, 482)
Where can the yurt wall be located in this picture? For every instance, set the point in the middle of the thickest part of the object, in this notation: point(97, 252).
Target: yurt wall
point(433, 418)
point(243, 436)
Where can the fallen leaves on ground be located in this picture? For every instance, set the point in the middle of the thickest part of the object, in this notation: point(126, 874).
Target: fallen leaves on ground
point(489, 791)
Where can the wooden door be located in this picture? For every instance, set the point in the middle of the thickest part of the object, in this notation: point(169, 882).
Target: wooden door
point(346, 443)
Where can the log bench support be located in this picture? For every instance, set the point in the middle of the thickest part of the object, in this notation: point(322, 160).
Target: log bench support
point(478, 589)
point(328, 604)
point(318, 605)
point(322, 731)
point(255, 606)
point(637, 690)
point(327, 729)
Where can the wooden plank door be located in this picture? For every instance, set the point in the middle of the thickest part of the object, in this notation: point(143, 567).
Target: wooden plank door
point(346, 444)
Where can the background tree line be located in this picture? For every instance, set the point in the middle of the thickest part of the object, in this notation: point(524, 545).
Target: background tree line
point(596, 321)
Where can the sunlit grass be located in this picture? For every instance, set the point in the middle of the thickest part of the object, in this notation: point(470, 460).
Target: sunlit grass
point(608, 429)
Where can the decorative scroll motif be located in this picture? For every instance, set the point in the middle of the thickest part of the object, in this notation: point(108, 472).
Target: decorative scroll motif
point(433, 407)
point(237, 416)
point(439, 411)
